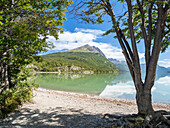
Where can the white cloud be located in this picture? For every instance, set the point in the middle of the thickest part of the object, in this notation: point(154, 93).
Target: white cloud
point(164, 80)
point(92, 31)
point(109, 50)
point(164, 63)
point(70, 40)
point(78, 36)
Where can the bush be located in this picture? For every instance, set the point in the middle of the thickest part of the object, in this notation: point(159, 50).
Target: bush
point(11, 99)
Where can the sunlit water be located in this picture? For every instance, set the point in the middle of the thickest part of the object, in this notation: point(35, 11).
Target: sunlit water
point(105, 85)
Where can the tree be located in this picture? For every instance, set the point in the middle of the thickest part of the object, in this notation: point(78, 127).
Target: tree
point(24, 27)
point(146, 20)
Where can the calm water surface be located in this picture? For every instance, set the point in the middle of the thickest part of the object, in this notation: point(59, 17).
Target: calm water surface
point(105, 85)
point(90, 84)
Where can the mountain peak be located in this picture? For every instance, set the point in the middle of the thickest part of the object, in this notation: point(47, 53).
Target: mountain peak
point(88, 48)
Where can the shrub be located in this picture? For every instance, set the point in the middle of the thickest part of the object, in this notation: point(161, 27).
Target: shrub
point(11, 99)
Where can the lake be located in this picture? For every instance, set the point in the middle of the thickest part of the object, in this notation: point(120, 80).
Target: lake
point(105, 85)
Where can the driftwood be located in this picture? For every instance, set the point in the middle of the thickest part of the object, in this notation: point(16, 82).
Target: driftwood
point(160, 119)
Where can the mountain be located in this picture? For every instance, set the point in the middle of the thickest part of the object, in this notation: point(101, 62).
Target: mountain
point(119, 64)
point(86, 59)
point(160, 72)
point(88, 48)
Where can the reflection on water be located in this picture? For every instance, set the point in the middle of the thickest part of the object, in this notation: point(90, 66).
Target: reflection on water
point(105, 85)
point(90, 84)
point(126, 89)
point(162, 91)
point(120, 90)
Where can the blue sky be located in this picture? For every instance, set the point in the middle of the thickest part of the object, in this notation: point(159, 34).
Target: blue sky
point(78, 34)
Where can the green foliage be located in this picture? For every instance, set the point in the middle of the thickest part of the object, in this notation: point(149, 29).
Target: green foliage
point(12, 98)
point(94, 14)
point(85, 60)
point(165, 43)
point(166, 35)
point(24, 29)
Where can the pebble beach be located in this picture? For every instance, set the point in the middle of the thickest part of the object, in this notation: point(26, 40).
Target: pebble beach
point(57, 109)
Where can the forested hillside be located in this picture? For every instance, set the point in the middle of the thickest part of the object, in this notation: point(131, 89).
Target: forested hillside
point(82, 62)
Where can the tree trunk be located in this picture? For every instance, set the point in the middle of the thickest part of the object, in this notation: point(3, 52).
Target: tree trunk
point(144, 102)
point(4, 78)
point(4, 73)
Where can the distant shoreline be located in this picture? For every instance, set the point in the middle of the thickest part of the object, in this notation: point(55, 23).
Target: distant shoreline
point(46, 72)
point(79, 73)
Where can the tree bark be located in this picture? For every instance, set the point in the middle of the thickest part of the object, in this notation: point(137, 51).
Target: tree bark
point(4, 77)
point(144, 102)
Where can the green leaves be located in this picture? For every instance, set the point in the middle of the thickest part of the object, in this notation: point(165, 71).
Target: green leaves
point(165, 43)
point(108, 32)
point(93, 13)
point(24, 28)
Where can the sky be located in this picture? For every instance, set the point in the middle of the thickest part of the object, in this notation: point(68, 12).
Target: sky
point(77, 34)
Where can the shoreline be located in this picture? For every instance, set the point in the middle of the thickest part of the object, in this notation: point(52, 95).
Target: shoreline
point(51, 108)
point(47, 72)
point(84, 72)
point(100, 98)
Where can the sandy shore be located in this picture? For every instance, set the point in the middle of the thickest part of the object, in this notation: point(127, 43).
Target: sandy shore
point(70, 110)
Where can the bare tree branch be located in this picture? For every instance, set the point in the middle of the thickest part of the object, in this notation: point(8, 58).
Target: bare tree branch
point(121, 38)
point(156, 47)
point(148, 45)
point(111, 13)
point(134, 47)
point(146, 41)
point(126, 43)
